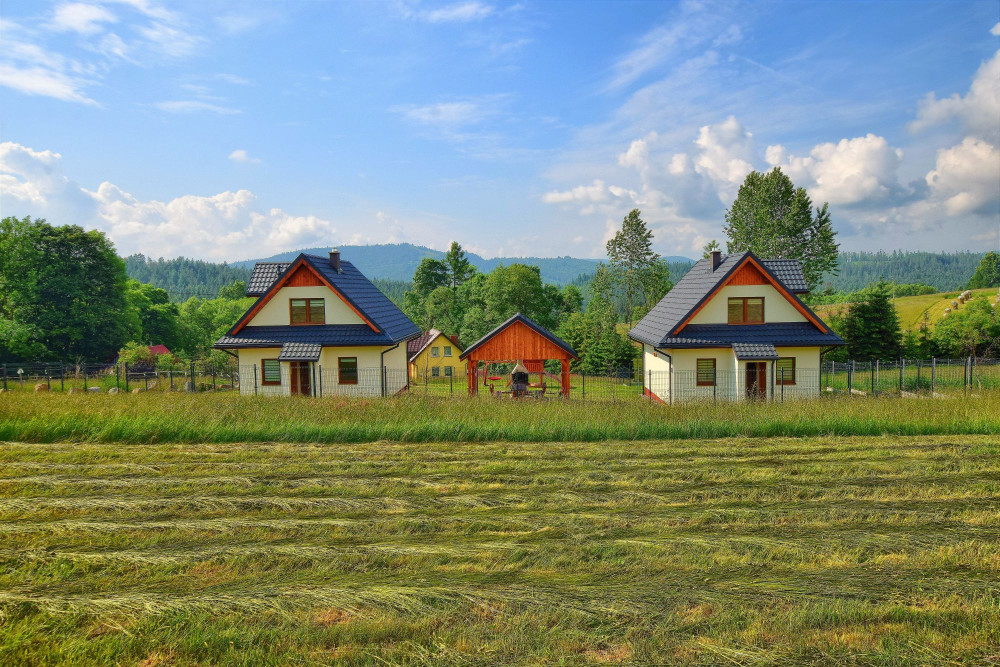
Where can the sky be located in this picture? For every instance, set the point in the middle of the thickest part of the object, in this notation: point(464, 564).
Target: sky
point(233, 130)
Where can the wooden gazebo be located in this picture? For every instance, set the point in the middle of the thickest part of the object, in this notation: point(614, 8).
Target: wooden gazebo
point(519, 339)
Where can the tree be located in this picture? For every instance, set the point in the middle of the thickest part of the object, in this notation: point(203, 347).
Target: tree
point(66, 286)
point(158, 320)
point(234, 290)
point(871, 325)
point(709, 248)
point(460, 268)
point(429, 275)
point(775, 220)
point(987, 273)
point(971, 331)
point(630, 254)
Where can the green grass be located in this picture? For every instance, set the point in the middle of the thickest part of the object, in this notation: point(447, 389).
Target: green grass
point(829, 550)
point(226, 417)
point(911, 309)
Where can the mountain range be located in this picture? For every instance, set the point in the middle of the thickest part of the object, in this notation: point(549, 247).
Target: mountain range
point(398, 261)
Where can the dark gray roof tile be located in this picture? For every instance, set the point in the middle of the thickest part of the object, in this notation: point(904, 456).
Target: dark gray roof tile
point(782, 334)
point(754, 351)
point(300, 352)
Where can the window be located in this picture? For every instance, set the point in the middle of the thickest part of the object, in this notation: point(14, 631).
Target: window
point(447, 370)
point(784, 371)
point(435, 352)
point(270, 371)
point(307, 311)
point(447, 350)
point(706, 372)
point(435, 372)
point(746, 310)
point(347, 370)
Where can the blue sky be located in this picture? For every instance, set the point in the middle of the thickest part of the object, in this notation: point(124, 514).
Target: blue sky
point(226, 131)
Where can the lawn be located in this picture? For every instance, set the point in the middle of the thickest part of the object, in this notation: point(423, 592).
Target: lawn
point(871, 550)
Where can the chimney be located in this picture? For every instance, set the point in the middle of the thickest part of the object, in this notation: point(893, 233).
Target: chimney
point(454, 339)
point(335, 260)
point(716, 259)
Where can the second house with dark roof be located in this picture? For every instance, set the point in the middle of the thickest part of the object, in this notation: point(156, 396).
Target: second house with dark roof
point(319, 327)
point(734, 328)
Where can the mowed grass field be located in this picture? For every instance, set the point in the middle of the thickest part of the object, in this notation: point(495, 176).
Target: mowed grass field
point(831, 550)
point(911, 309)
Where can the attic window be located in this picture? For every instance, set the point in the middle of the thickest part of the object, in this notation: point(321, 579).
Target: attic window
point(307, 311)
point(746, 310)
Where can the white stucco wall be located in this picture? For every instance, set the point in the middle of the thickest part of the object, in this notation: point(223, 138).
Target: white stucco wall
point(276, 311)
point(776, 307)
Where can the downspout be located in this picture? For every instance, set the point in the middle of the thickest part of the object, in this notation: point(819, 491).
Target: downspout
point(382, 366)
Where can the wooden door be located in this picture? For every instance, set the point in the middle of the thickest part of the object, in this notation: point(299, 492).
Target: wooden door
point(300, 378)
point(756, 380)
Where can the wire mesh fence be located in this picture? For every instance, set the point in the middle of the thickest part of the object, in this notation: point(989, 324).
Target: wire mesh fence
point(912, 376)
point(310, 379)
point(204, 375)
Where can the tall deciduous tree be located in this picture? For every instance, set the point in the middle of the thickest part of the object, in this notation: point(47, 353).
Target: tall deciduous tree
point(630, 254)
point(775, 220)
point(987, 273)
point(67, 286)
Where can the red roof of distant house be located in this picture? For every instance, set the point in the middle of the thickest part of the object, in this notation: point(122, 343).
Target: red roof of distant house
point(158, 349)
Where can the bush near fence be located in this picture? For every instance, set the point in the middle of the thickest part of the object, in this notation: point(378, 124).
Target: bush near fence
point(201, 375)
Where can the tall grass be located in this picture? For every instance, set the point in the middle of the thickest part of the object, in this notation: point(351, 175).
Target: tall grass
point(190, 418)
point(881, 550)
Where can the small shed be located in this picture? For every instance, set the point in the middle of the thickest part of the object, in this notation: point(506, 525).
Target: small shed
point(519, 339)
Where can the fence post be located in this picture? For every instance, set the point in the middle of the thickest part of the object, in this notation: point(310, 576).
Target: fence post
point(871, 370)
point(451, 384)
point(145, 379)
point(48, 380)
point(321, 380)
point(902, 366)
point(214, 384)
point(583, 382)
point(781, 381)
point(715, 384)
point(850, 376)
point(118, 375)
point(126, 377)
point(254, 379)
point(933, 374)
point(670, 383)
point(969, 365)
point(650, 386)
point(84, 378)
point(384, 370)
point(5, 377)
point(62, 378)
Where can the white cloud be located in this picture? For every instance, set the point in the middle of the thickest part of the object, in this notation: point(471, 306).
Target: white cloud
point(216, 227)
point(597, 192)
point(194, 106)
point(995, 30)
point(977, 110)
point(851, 171)
point(726, 154)
point(45, 82)
point(445, 113)
point(966, 178)
point(240, 155)
point(80, 17)
point(459, 12)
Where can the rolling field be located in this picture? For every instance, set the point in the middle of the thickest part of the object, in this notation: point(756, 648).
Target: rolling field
point(875, 550)
point(911, 309)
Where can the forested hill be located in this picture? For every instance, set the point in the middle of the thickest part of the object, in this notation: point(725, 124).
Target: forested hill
point(945, 271)
point(183, 277)
point(398, 261)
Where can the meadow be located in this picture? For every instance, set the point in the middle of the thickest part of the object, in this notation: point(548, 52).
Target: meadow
point(911, 309)
point(829, 550)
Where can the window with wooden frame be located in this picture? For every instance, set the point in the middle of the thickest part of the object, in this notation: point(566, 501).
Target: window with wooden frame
point(706, 372)
point(784, 370)
point(270, 372)
point(435, 351)
point(447, 350)
point(447, 371)
point(307, 311)
point(436, 371)
point(746, 310)
point(347, 370)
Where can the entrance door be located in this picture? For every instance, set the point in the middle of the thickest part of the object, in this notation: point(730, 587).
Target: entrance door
point(756, 380)
point(300, 378)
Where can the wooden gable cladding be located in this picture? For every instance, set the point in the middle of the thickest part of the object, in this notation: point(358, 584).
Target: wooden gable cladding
point(517, 342)
point(748, 274)
point(303, 277)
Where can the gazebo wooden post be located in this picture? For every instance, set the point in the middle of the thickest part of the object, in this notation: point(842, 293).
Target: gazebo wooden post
point(565, 377)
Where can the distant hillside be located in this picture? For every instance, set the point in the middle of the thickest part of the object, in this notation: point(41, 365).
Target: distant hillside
point(182, 277)
point(911, 309)
point(398, 261)
point(945, 271)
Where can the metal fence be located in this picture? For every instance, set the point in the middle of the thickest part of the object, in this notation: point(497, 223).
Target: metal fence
point(203, 375)
point(912, 376)
point(317, 380)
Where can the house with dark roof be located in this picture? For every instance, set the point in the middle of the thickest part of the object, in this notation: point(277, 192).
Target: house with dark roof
point(734, 328)
point(319, 327)
point(434, 355)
